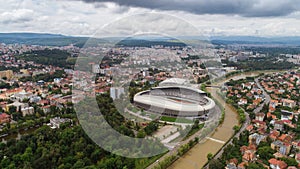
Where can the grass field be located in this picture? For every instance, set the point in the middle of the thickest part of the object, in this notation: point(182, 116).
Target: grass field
point(174, 119)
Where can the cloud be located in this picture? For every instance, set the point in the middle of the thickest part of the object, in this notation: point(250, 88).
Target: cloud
point(85, 19)
point(149, 23)
point(246, 8)
point(113, 7)
point(17, 16)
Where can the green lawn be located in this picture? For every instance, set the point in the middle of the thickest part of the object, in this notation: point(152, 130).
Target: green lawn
point(174, 119)
point(153, 116)
point(133, 108)
point(129, 117)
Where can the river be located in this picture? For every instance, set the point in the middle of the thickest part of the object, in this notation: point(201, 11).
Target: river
point(197, 156)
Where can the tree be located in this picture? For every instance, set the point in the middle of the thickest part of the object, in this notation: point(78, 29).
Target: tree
point(5, 163)
point(255, 166)
point(236, 128)
point(196, 124)
point(152, 126)
point(265, 108)
point(252, 115)
point(216, 164)
point(141, 134)
point(209, 156)
point(265, 153)
point(12, 109)
point(290, 161)
point(79, 164)
point(27, 156)
point(47, 148)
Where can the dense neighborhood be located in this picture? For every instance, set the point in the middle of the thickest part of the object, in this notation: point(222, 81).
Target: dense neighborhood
point(272, 138)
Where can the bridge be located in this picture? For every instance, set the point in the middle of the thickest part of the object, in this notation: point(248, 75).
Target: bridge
point(216, 140)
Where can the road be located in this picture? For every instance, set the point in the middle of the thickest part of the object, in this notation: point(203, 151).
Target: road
point(266, 95)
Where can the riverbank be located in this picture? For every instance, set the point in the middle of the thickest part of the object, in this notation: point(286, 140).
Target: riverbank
point(197, 156)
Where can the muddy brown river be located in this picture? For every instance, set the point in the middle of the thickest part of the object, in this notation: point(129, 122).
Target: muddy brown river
point(197, 156)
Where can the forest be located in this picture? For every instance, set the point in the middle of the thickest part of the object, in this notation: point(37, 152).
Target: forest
point(47, 77)
point(261, 64)
point(70, 146)
point(53, 57)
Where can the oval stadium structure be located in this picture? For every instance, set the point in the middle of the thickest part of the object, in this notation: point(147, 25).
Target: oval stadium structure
point(175, 100)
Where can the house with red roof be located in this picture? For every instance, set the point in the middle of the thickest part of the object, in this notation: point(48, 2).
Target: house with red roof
point(277, 164)
point(4, 118)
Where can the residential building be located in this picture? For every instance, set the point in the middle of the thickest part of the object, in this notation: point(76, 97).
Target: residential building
point(27, 111)
point(277, 164)
point(57, 121)
point(116, 92)
point(4, 118)
point(278, 125)
point(260, 116)
point(288, 103)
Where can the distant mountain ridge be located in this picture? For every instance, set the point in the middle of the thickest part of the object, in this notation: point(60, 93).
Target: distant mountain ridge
point(43, 39)
point(288, 40)
point(48, 39)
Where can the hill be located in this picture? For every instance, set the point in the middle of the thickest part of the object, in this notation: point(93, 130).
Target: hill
point(41, 39)
point(226, 40)
point(46, 39)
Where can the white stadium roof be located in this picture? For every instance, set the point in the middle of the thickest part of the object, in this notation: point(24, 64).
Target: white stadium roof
point(168, 103)
point(177, 103)
point(173, 82)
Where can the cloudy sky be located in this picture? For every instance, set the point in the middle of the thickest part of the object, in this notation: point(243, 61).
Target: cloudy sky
point(210, 17)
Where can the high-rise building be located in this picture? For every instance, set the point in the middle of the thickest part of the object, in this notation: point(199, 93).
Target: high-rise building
point(115, 92)
point(96, 68)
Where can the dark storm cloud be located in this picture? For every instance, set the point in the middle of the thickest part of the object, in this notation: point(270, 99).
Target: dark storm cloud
point(248, 8)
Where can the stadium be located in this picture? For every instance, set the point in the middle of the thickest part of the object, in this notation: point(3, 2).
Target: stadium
point(175, 99)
